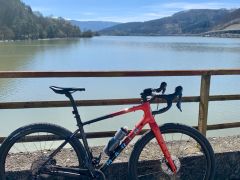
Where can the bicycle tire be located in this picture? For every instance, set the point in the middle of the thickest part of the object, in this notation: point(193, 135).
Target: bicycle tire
point(22, 133)
point(134, 171)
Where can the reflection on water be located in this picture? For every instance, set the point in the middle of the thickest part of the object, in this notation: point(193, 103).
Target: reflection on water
point(22, 55)
point(116, 53)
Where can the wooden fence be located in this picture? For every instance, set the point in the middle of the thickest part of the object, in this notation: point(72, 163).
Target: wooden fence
point(203, 98)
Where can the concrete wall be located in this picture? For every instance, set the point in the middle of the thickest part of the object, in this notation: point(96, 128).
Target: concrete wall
point(227, 168)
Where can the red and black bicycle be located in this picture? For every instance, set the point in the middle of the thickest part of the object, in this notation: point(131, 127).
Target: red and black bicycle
point(170, 151)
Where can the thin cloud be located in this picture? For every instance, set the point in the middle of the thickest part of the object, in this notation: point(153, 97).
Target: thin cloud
point(207, 5)
point(158, 15)
point(112, 18)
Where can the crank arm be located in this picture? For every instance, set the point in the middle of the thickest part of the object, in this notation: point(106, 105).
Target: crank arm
point(69, 172)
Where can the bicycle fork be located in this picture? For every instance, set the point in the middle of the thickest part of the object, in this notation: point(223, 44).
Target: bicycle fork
point(163, 146)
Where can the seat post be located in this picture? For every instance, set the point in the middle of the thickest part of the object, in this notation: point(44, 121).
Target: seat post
point(75, 110)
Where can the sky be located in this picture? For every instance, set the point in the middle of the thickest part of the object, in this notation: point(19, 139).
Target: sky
point(122, 10)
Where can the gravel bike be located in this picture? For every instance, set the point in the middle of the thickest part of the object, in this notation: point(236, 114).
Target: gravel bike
point(169, 151)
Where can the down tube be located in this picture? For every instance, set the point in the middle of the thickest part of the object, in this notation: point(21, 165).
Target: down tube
point(124, 144)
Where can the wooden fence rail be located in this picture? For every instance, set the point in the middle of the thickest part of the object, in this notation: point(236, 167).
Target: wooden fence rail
point(203, 99)
point(65, 74)
point(103, 102)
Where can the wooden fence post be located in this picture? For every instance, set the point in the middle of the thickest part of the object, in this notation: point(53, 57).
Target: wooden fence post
point(203, 103)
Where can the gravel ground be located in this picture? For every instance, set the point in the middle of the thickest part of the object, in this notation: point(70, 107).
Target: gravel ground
point(23, 161)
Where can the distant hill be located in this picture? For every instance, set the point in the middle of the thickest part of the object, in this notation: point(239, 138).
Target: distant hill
point(232, 19)
point(18, 21)
point(93, 25)
point(189, 22)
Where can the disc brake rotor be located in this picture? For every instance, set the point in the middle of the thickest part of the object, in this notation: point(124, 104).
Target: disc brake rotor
point(166, 168)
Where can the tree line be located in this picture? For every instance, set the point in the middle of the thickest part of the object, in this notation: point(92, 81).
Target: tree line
point(18, 22)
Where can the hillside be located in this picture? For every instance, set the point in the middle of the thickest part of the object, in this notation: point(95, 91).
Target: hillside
point(18, 21)
point(189, 22)
point(93, 25)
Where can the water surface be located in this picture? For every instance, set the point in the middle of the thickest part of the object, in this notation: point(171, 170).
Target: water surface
point(117, 53)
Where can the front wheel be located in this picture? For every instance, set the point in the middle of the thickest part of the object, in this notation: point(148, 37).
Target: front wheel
point(26, 149)
point(191, 152)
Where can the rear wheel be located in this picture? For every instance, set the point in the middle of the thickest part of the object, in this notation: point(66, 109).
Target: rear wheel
point(191, 152)
point(26, 149)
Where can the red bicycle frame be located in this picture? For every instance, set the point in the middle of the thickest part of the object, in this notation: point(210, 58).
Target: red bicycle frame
point(147, 119)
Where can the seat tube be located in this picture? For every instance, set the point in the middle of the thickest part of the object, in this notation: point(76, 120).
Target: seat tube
point(162, 144)
point(75, 110)
point(79, 124)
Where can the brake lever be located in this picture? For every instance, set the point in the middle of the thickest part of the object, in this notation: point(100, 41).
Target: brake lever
point(178, 93)
point(179, 105)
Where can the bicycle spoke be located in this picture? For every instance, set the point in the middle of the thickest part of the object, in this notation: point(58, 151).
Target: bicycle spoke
point(45, 142)
point(35, 147)
point(172, 142)
point(180, 144)
point(18, 150)
point(24, 155)
point(185, 154)
point(51, 145)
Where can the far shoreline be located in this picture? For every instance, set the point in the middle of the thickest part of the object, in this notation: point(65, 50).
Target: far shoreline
point(45, 39)
point(134, 35)
point(180, 35)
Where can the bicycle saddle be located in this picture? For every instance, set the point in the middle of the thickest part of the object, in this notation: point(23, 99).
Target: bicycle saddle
point(61, 90)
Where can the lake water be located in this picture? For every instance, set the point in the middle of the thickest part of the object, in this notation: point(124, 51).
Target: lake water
point(117, 53)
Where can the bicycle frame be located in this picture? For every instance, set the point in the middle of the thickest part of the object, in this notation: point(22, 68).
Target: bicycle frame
point(147, 119)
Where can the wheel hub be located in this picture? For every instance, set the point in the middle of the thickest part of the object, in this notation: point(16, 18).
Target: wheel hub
point(38, 164)
point(166, 168)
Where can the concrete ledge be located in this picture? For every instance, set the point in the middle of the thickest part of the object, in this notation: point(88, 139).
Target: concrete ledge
point(227, 168)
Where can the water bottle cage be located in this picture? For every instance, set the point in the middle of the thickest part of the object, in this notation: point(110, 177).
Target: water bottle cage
point(114, 142)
